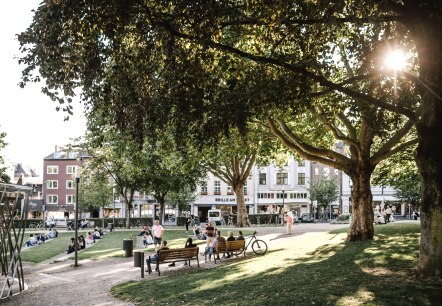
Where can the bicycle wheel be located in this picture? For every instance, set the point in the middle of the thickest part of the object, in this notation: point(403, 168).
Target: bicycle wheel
point(259, 247)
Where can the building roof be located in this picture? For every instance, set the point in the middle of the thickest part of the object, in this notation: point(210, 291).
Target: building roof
point(71, 155)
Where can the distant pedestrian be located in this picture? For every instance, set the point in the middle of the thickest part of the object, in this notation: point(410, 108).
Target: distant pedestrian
point(388, 214)
point(187, 224)
point(289, 223)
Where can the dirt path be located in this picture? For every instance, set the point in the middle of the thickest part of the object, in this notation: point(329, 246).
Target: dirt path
point(60, 283)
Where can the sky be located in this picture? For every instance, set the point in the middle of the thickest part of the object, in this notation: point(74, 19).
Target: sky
point(27, 116)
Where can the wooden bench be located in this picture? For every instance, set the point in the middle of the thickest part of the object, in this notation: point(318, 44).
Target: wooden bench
point(173, 255)
point(227, 247)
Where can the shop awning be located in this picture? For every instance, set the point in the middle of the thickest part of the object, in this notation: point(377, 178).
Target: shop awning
point(57, 207)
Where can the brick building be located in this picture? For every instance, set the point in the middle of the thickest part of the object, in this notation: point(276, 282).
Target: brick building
point(59, 170)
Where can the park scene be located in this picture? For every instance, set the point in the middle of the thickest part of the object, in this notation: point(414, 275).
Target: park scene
point(235, 153)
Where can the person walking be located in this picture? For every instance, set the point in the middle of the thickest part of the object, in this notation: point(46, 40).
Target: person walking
point(289, 223)
point(158, 233)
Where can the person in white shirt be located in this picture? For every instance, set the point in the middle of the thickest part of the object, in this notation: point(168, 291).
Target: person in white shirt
point(158, 233)
point(289, 223)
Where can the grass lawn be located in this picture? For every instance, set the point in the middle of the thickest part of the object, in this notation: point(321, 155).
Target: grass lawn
point(111, 245)
point(378, 272)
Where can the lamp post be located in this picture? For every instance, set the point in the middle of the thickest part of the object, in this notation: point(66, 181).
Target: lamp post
point(283, 197)
point(77, 182)
point(113, 201)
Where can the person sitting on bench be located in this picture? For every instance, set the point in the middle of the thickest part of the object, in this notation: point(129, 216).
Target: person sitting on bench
point(154, 258)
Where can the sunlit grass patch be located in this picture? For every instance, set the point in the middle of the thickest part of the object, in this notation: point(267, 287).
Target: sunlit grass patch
point(313, 271)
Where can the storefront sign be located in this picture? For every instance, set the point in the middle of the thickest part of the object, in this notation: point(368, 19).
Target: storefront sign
point(230, 200)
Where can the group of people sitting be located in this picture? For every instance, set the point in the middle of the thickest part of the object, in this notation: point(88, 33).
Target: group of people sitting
point(212, 235)
point(212, 242)
point(83, 241)
point(80, 245)
point(36, 239)
point(146, 233)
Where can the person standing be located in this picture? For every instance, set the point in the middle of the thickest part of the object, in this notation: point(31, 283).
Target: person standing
point(290, 223)
point(388, 214)
point(210, 233)
point(158, 232)
point(187, 224)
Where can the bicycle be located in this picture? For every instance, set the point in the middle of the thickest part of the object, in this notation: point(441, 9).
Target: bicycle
point(35, 225)
point(259, 247)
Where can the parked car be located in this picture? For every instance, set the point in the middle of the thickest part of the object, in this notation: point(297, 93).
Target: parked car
point(306, 217)
point(60, 222)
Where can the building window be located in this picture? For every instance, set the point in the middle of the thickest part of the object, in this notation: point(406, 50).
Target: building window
point(52, 170)
point(70, 184)
point(326, 172)
point(301, 179)
point(217, 187)
point(263, 179)
point(229, 190)
point(316, 171)
point(52, 199)
point(204, 188)
point(70, 199)
point(245, 189)
point(301, 163)
point(71, 169)
point(52, 184)
point(282, 178)
point(265, 195)
point(281, 195)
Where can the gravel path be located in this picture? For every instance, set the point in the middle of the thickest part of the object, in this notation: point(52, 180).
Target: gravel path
point(59, 283)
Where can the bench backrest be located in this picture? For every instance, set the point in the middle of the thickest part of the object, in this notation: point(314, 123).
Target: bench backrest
point(221, 246)
point(235, 245)
point(178, 253)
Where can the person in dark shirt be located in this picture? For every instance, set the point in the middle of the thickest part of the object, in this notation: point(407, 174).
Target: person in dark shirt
point(189, 244)
point(154, 258)
point(219, 238)
point(230, 238)
point(210, 233)
point(240, 236)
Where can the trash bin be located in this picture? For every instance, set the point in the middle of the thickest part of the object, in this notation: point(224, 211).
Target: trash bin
point(139, 259)
point(128, 247)
point(110, 226)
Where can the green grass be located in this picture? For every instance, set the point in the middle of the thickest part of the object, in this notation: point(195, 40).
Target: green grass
point(111, 245)
point(378, 272)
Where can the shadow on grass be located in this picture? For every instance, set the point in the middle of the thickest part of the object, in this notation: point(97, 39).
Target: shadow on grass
point(378, 272)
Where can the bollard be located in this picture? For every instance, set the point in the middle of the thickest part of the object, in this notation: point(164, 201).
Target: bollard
point(139, 261)
point(128, 247)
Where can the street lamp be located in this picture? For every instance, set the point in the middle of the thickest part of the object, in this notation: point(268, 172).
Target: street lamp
point(77, 182)
point(113, 202)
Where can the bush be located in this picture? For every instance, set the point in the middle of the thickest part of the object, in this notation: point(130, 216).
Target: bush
point(342, 219)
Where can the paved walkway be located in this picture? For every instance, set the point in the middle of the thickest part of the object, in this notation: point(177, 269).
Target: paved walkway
point(59, 283)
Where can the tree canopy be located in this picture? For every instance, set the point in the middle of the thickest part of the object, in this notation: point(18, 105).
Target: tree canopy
point(206, 66)
point(4, 177)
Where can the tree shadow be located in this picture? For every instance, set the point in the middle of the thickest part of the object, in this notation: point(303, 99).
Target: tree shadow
point(378, 272)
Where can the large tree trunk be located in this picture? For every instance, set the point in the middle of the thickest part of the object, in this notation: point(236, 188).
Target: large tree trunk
point(426, 28)
point(243, 217)
point(128, 207)
point(362, 210)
